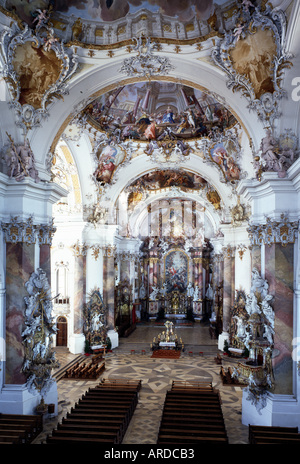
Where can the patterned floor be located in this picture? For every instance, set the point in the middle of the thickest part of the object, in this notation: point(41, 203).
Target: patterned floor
point(195, 363)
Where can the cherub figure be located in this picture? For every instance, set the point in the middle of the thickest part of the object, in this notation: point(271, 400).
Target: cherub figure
point(42, 18)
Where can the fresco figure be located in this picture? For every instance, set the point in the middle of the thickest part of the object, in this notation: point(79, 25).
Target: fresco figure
point(109, 160)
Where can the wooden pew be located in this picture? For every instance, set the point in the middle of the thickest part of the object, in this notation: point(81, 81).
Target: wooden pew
point(85, 370)
point(170, 439)
point(62, 431)
point(106, 404)
point(200, 424)
point(108, 419)
point(59, 439)
point(28, 426)
point(192, 413)
point(90, 426)
point(8, 440)
point(124, 384)
point(191, 385)
point(273, 434)
point(102, 415)
point(18, 433)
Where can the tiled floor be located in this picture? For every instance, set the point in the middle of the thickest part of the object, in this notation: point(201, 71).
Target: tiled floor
point(156, 376)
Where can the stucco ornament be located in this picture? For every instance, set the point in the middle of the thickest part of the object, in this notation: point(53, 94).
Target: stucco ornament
point(39, 358)
point(145, 63)
point(37, 67)
point(254, 58)
point(256, 333)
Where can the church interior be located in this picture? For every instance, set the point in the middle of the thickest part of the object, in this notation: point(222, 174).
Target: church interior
point(149, 217)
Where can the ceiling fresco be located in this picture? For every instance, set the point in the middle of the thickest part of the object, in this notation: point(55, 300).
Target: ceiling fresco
point(111, 10)
point(163, 179)
point(145, 111)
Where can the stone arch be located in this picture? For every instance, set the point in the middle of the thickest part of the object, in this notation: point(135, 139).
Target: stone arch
point(92, 84)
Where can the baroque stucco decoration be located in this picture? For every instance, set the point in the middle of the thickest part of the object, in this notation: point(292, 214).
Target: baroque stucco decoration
point(276, 154)
point(282, 232)
point(253, 57)
point(94, 312)
point(37, 68)
point(145, 63)
point(256, 332)
point(27, 232)
point(39, 357)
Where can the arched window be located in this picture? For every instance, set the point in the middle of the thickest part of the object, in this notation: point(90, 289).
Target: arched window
point(61, 284)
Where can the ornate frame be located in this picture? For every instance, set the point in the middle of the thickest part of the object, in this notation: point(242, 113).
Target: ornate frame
point(172, 250)
point(28, 116)
point(267, 105)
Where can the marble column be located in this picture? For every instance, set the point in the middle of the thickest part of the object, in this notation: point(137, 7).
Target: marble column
point(109, 284)
point(19, 267)
point(77, 338)
point(151, 275)
point(279, 273)
point(80, 292)
point(256, 257)
point(228, 289)
point(228, 294)
point(44, 260)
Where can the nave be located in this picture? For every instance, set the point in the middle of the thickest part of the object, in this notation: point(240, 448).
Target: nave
point(196, 363)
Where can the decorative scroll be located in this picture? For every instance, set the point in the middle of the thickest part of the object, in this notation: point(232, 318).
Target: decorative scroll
point(282, 232)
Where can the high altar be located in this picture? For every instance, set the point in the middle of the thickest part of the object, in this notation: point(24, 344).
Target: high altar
point(175, 278)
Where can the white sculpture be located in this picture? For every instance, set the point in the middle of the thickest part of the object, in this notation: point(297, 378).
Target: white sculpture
point(190, 290)
point(154, 293)
point(196, 293)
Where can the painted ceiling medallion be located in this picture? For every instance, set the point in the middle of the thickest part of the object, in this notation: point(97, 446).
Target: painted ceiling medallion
point(36, 70)
point(253, 57)
point(145, 63)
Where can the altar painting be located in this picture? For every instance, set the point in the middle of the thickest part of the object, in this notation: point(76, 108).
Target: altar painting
point(176, 271)
point(109, 158)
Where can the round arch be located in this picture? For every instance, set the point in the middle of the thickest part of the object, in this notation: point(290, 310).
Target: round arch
point(87, 86)
point(140, 166)
point(140, 212)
